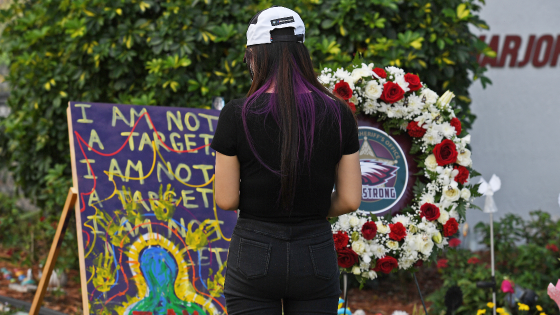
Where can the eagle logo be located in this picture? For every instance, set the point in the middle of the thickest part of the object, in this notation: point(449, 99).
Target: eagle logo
point(376, 173)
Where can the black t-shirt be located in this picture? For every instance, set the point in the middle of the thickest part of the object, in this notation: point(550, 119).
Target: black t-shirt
point(259, 187)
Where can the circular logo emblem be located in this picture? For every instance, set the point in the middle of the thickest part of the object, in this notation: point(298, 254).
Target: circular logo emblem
point(384, 170)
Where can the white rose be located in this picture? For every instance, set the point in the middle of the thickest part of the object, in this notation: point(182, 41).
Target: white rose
point(356, 270)
point(431, 96)
point(464, 158)
point(393, 245)
point(382, 228)
point(373, 90)
point(443, 216)
point(359, 247)
point(354, 221)
point(451, 193)
point(427, 247)
point(465, 193)
point(431, 163)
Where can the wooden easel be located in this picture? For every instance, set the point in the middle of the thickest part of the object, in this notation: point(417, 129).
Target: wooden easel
point(53, 253)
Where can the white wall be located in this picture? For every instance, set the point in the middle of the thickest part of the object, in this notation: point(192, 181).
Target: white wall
point(517, 132)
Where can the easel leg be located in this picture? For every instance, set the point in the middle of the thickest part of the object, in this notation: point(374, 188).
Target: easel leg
point(53, 253)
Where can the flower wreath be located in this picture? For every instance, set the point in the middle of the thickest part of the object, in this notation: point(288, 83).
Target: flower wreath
point(366, 244)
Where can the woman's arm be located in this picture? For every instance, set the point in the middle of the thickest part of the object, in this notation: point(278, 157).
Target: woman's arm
point(227, 182)
point(348, 186)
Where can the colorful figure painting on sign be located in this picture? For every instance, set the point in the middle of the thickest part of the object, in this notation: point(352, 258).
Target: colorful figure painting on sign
point(154, 241)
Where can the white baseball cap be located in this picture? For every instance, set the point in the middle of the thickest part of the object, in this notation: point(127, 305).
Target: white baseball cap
point(273, 18)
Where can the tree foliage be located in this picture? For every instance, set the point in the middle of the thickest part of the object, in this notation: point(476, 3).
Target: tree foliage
point(183, 53)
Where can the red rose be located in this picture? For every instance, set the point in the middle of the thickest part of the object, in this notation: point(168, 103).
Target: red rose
point(442, 263)
point(380, 73)
point(457, 124)
point(352, 107)
point(454, 242)
point(386, 264)
point(473, 260)
point(445, 152)
point(343, 90)
point(347, 257)
point(419, 263)
point(463, 175)
point(429, 211)
point(398, 231)
point(413, 82)
point(414, 130)
point(369, 230)
point(392, 92)
point(451, 227)
point(42, 218)
point(552, 247)
point(340, 240)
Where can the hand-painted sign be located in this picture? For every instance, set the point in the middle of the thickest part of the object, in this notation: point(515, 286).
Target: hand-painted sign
point(387, 169)
point(151, 238)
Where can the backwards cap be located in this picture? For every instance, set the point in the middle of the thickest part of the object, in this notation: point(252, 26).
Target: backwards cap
point(274, 18)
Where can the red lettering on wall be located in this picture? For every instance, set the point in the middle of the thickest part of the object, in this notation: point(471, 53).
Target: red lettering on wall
point(528, 52)
point(549, 40)
point(510, 50)
point(556, 53)
point(489, 60)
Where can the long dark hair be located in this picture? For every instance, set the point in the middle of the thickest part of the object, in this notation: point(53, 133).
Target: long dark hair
point(287, 66)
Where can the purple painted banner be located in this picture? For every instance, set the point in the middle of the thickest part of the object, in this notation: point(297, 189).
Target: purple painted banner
point(152, 238)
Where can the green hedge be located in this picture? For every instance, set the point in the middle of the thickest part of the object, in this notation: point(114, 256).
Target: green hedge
point(183, 53)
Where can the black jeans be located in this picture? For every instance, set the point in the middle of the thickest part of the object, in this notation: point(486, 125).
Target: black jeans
point(272, 265)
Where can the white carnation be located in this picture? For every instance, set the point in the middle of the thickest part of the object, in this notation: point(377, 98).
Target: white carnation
point(344, 222)
point(402, 219)
point(373, 90)
point(325, 78)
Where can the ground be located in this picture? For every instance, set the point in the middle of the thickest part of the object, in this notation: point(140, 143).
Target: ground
point(385, 295)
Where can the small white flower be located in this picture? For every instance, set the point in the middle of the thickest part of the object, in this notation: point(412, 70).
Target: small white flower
point(344, 222)
point(432, 136)
point(372, 275)
point(378, 250)
point(395, 71)
point(464, 158)
point(399, 313)
point(454, 214)
point(370, 107)
point(354, 221)
point(447, 130)
point(465, 193)
point(356, 270)
point(402, 83)
point(431, 162)
point(366, 259)
point(402, 219)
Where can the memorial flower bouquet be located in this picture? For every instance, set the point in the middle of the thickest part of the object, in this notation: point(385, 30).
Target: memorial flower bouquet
point(366, 244)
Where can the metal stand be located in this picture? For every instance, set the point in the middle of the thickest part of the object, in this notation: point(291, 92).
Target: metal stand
point(345, 284)
point(492, 262)
point(420, 293)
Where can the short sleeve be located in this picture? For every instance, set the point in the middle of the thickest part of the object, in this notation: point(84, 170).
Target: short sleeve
point(225, 138)
point(351, 143)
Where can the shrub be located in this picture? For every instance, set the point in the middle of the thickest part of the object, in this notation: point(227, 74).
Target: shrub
point(183, 53)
